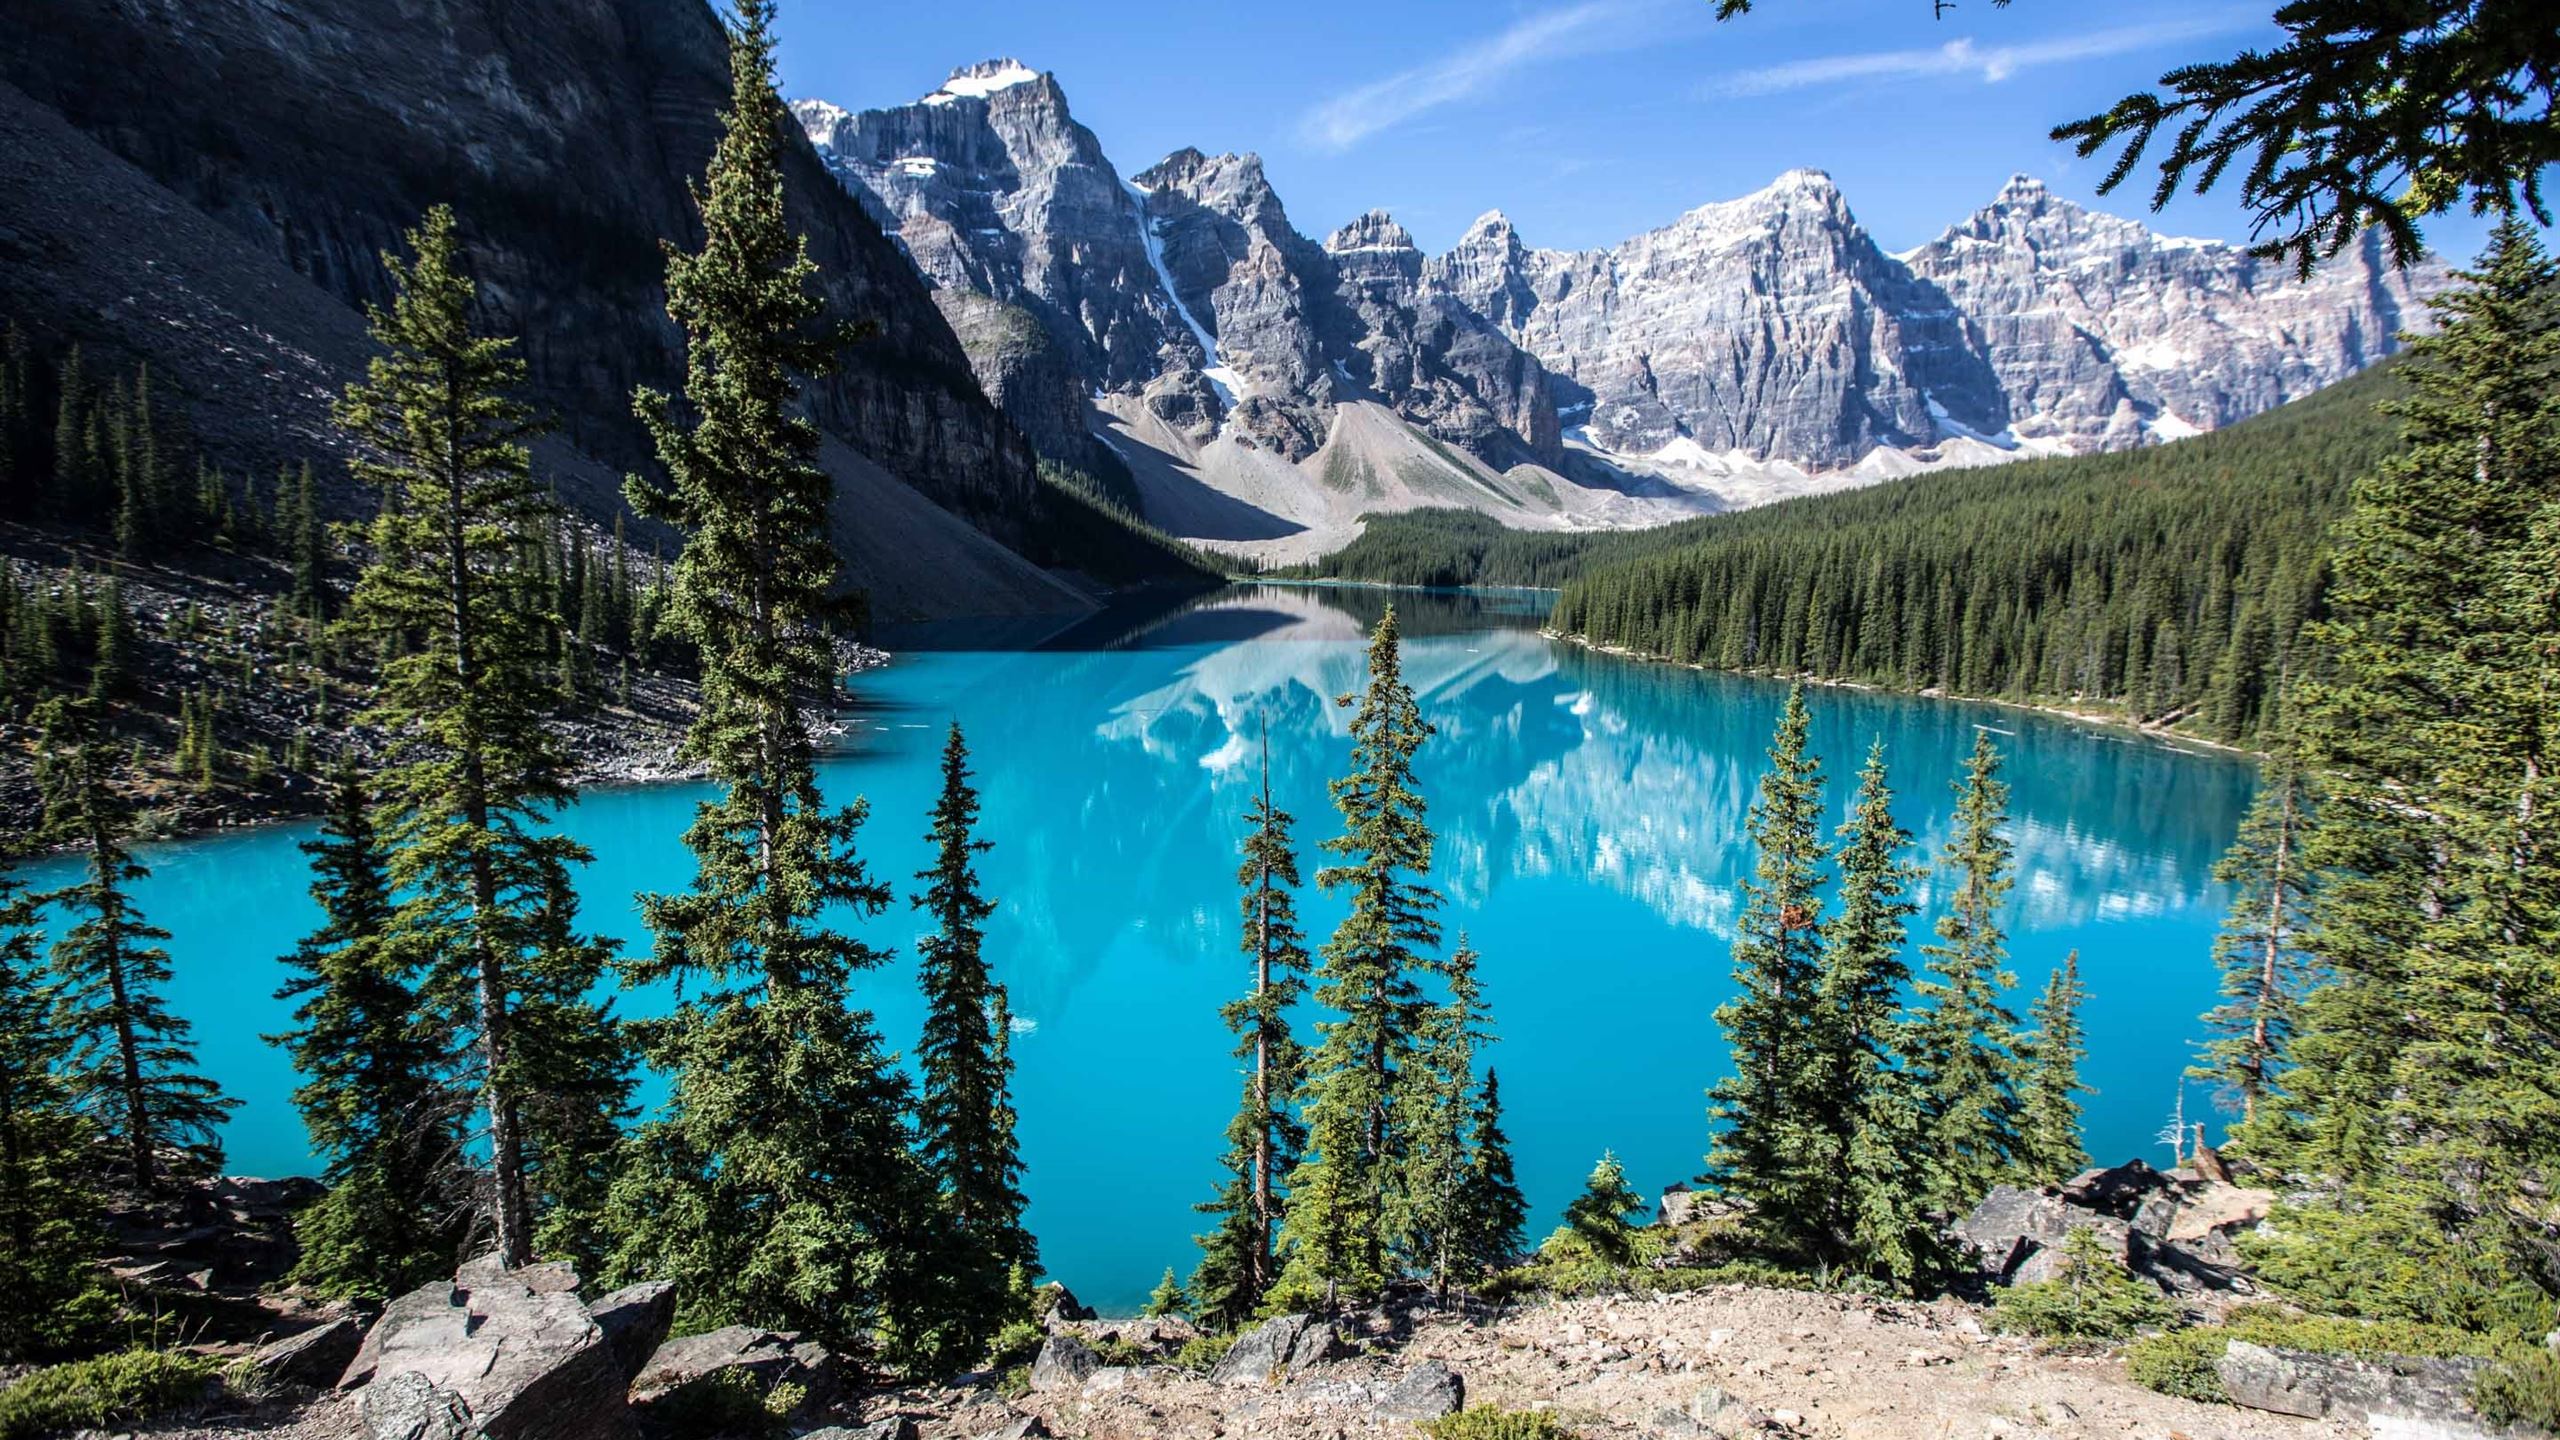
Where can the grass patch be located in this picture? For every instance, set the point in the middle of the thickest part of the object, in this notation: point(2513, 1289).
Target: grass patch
point(1577, 1279)
point(106, 1390)
point(1485, 1422)
point(2182, 1362)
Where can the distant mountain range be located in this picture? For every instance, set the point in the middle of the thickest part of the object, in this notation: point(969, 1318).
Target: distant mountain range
point(1263, 389)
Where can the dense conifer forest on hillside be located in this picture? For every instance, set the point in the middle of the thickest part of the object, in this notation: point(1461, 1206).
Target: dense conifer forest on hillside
point(2168, 584)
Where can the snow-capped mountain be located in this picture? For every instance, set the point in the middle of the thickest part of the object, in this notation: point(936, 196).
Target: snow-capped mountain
point(1751, 348)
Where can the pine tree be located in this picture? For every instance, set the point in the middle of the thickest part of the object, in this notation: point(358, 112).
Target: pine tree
point(1342, 1193)
point(2420, 1078)
point(964, 1107)
point(1435, 1103)
point(578, 1070)
point(1597, 1224)
point(1167, 1298)
point(309, 539)
point(2260, 954)
point(1960, 1042)
point(778, 1188)
point(51, 1300)
point(372, 1095)
point(1496, 1213)
point(1264, 1140)
point(1768, 1148)
point(474, 769)
point(132, 1062)
point(112, 647)
point(1877, 1216)
point(2049, 1150)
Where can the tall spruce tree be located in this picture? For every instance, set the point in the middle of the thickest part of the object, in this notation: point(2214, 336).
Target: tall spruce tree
point(1769, 1149)
point(2049, 1149)
point(474, 770)
point(2260, 950)
point(132, 1063)
point(777, 1187)
point(1436, 1105)
point(1876, 1216)
point(1960, 1042)
point(51, 1298)
point(964, 1105)
point(1343, 1193)
point(1237, 1262)
point(308, 539)
point(373, 1094)
point(1495, 1212)
point(2422, 1079)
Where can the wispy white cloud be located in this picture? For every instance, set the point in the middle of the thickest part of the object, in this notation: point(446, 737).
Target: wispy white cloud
point(1991, 64)
point(1347, 119)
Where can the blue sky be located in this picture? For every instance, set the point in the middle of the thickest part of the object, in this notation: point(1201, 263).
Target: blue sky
point(1586, 120)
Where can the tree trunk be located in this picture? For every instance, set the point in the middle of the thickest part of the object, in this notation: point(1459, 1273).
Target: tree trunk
point(508, 1207)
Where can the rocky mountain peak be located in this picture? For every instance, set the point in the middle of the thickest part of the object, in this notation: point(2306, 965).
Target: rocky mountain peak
point(987, 77)
point(1376, 230)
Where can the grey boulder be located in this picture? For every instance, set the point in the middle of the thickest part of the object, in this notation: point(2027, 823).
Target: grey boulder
point(2320, 1387)
point(895, 1427)
point(315, 1358)
point(1064, 1363)
point(409, 1406)
point(512, 1352)
point(1277, 1349)
point(634, 1320)
point(1425, 1392)
point(772, 1357)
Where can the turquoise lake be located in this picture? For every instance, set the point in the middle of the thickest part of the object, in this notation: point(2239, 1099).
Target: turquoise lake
point(1590, 812)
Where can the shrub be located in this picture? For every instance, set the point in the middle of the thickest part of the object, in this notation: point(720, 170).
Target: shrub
point(1015, 1344)
point(130, 1385)
point(1119, 1351)
point(2523, 1391)
point(1485, 1422)
point(2093, 1298)
point(2180, 1362)
point(1203, 1352)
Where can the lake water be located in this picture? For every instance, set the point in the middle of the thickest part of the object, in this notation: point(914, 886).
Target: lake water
point(1590, 813)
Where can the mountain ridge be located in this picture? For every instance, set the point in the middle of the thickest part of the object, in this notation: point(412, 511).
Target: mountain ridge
point(1748, 349)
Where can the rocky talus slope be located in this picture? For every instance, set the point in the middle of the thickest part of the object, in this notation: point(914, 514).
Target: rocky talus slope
point(533, 1353)
point(214, 200)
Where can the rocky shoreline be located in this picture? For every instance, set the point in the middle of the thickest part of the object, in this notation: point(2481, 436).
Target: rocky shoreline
point(534, 1354)
point(2094, 719)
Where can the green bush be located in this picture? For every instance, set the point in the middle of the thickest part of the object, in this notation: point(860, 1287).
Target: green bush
point(1203, 1352)
point(1118, 1351)
point(131, 1385)
point(1485, 1422)
point(2093, 1298)
point(2523, 1391)
point(1015, 1344)
point(2180, 1362)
